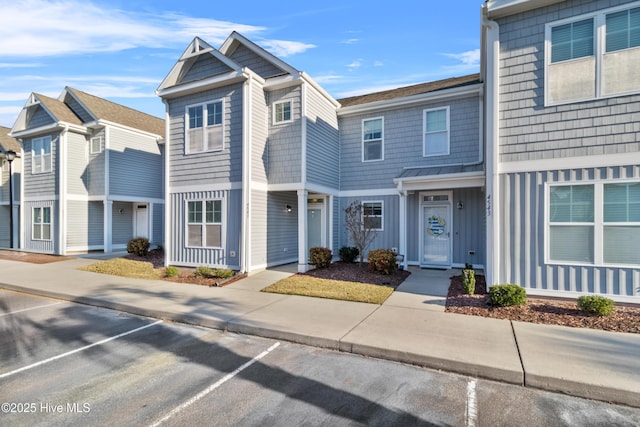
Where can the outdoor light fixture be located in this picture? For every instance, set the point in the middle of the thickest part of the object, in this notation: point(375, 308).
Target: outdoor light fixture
point(10, 156)
point(460, 205)
point(288, 208)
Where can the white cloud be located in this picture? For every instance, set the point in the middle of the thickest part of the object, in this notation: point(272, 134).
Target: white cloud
point(19, 65)
point(355, 64)
point(471, 57)
point(378, 64)
point(350, 41)
point(328, 78)
point(284, 48)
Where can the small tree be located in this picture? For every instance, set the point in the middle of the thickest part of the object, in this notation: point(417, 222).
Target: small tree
point(361, 231)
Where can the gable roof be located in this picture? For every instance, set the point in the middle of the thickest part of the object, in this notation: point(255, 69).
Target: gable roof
point(236, 39)
point(502, 8)
point(7, 142)
point(101, 109)
point(416, 89)
point(58, 110)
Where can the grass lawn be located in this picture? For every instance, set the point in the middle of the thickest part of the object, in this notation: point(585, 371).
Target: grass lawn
point(332, 289)
point(125, 268)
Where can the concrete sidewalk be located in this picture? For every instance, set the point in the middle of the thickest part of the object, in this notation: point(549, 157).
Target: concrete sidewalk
point(411, 326)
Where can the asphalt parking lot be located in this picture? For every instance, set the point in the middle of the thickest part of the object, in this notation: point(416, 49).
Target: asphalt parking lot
point(70, 364)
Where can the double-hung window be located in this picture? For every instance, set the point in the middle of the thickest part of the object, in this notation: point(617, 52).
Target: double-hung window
point(621, 228)
point(373, 139)
point(41, 155)
point(373, 215)
point(41, 227)
point(96, 145)
point(204, 127)
point(436, 132)
point(571, 223)
point(282, 112)
point(204, 223)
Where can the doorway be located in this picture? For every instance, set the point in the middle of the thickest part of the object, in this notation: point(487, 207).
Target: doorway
point(141, 220)
point(435, 231)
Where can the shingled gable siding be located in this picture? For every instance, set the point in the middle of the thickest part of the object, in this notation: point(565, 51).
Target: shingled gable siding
point(531, 131)
point(41, 184)
point(135, 159)
point(39, 118)
point(217, 167)
point(323, 146)
point(247, 58)
point(205, 66)
point(285, 140)
point(403, 142)
point(77, 153)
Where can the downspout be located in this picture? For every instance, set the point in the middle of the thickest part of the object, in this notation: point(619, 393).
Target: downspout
point(245, 241)
point(21, 237)
point(492, 70)
point(62, 211)
point(168, 212)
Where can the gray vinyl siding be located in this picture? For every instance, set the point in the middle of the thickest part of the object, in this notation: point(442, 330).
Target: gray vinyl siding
point(323, 141)
point(180, 254)
point(469, 227)
point(259, 133)
point(78, 109)
point(403, 136)
point(43, 246)
point(84, 224)
point(258, 220)
point(122, 224)
point(389, 237)
point(285, 140)
point(39, 118)
point(41, 184)
point(16, 167)
point(135, 165)
point(531, 131)
point(207, 168)
point(282, 227)
point(4, 226)
point(204, 66)
point(247, 58)
point(158, 224)
point(522, 244)
point(95, 170)
point(77, 154)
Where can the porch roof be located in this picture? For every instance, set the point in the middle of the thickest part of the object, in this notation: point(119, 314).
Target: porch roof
point(439, 177)
point(439, 170)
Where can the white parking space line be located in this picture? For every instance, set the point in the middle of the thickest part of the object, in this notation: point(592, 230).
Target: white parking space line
point(215, 385)
point(30, 308)
point(69, 353)
point(472, 405)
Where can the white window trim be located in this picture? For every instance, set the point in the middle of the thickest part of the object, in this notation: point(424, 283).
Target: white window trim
point(273, 112)
point(598, 223)
point(599, 19)
point(204, 126)
point(33, 156)
point(33, 224)
point(424, 131)
point(381, 139)
point(364, 202)
point(223, 220)
point(101, 144)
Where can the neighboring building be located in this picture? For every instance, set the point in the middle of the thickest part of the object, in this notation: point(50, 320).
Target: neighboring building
point(563, 129)
point(261, 163)
point(93, 175)
point(8, 143)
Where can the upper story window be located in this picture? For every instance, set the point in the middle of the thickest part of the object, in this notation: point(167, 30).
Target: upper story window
point(592, 56)
point(96, 145)
point(373, 139)
point(41, 155)
point(204, 128)
point(282, 112)
point(436, 132)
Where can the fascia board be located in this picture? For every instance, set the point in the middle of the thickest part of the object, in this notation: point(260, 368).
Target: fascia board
point(209, 83)
point(235, 36)
point(501, 8)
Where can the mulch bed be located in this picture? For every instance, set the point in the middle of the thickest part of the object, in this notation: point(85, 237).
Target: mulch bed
point(539, 310)
point(352, 272)
point(30, 257)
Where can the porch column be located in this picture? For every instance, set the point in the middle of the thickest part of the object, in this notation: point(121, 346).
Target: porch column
point(403, 228)
point(303, 266)
point(108, 225)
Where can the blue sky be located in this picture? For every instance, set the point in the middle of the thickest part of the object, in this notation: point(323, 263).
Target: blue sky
point(122, 49)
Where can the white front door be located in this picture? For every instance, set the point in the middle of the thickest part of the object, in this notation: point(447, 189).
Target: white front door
point(314, 227)
point(436, 236)
point(141, 221)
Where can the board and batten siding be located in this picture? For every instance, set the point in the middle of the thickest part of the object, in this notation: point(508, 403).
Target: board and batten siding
point(41, 184)
point(84, 225)
point(76, 158)
point(180, 254)
point(531, 131)
point(285, 140)
point(216, 167)
point(135, 165)
point(403, 139)
point(259, 133)
point(282, 228)
point(323, 140)
point(43, 246)
point(95, 169)
point(245, 57)
point(522, 244)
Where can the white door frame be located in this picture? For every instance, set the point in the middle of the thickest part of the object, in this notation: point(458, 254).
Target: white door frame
point(323, 226)
point(136, 227)
point(423, 204)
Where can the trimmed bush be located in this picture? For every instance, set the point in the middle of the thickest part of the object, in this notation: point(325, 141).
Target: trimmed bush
point(596, 304)
point(171, 271)
point(203, 271)
point(507, 295)
point(211, 273)
point(320, 257)
point(224, 273)
point(382, 261)
point(348, 253)
point(469, 281)
point(138, 246)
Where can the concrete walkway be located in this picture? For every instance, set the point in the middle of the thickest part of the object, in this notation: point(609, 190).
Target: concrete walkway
point(411, 326)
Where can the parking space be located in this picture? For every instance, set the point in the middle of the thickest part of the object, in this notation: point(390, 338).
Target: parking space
point(70, 364)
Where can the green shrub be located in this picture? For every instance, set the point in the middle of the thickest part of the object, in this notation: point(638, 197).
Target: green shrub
point(171, 271)
point(469, 281)
point(382, 261)
point(320, 257)
point(348, 253)
point(138, 246)
point(203, 271)
point(507, 295)
point(211, 273)
point(596, 304)
point(224, 273)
